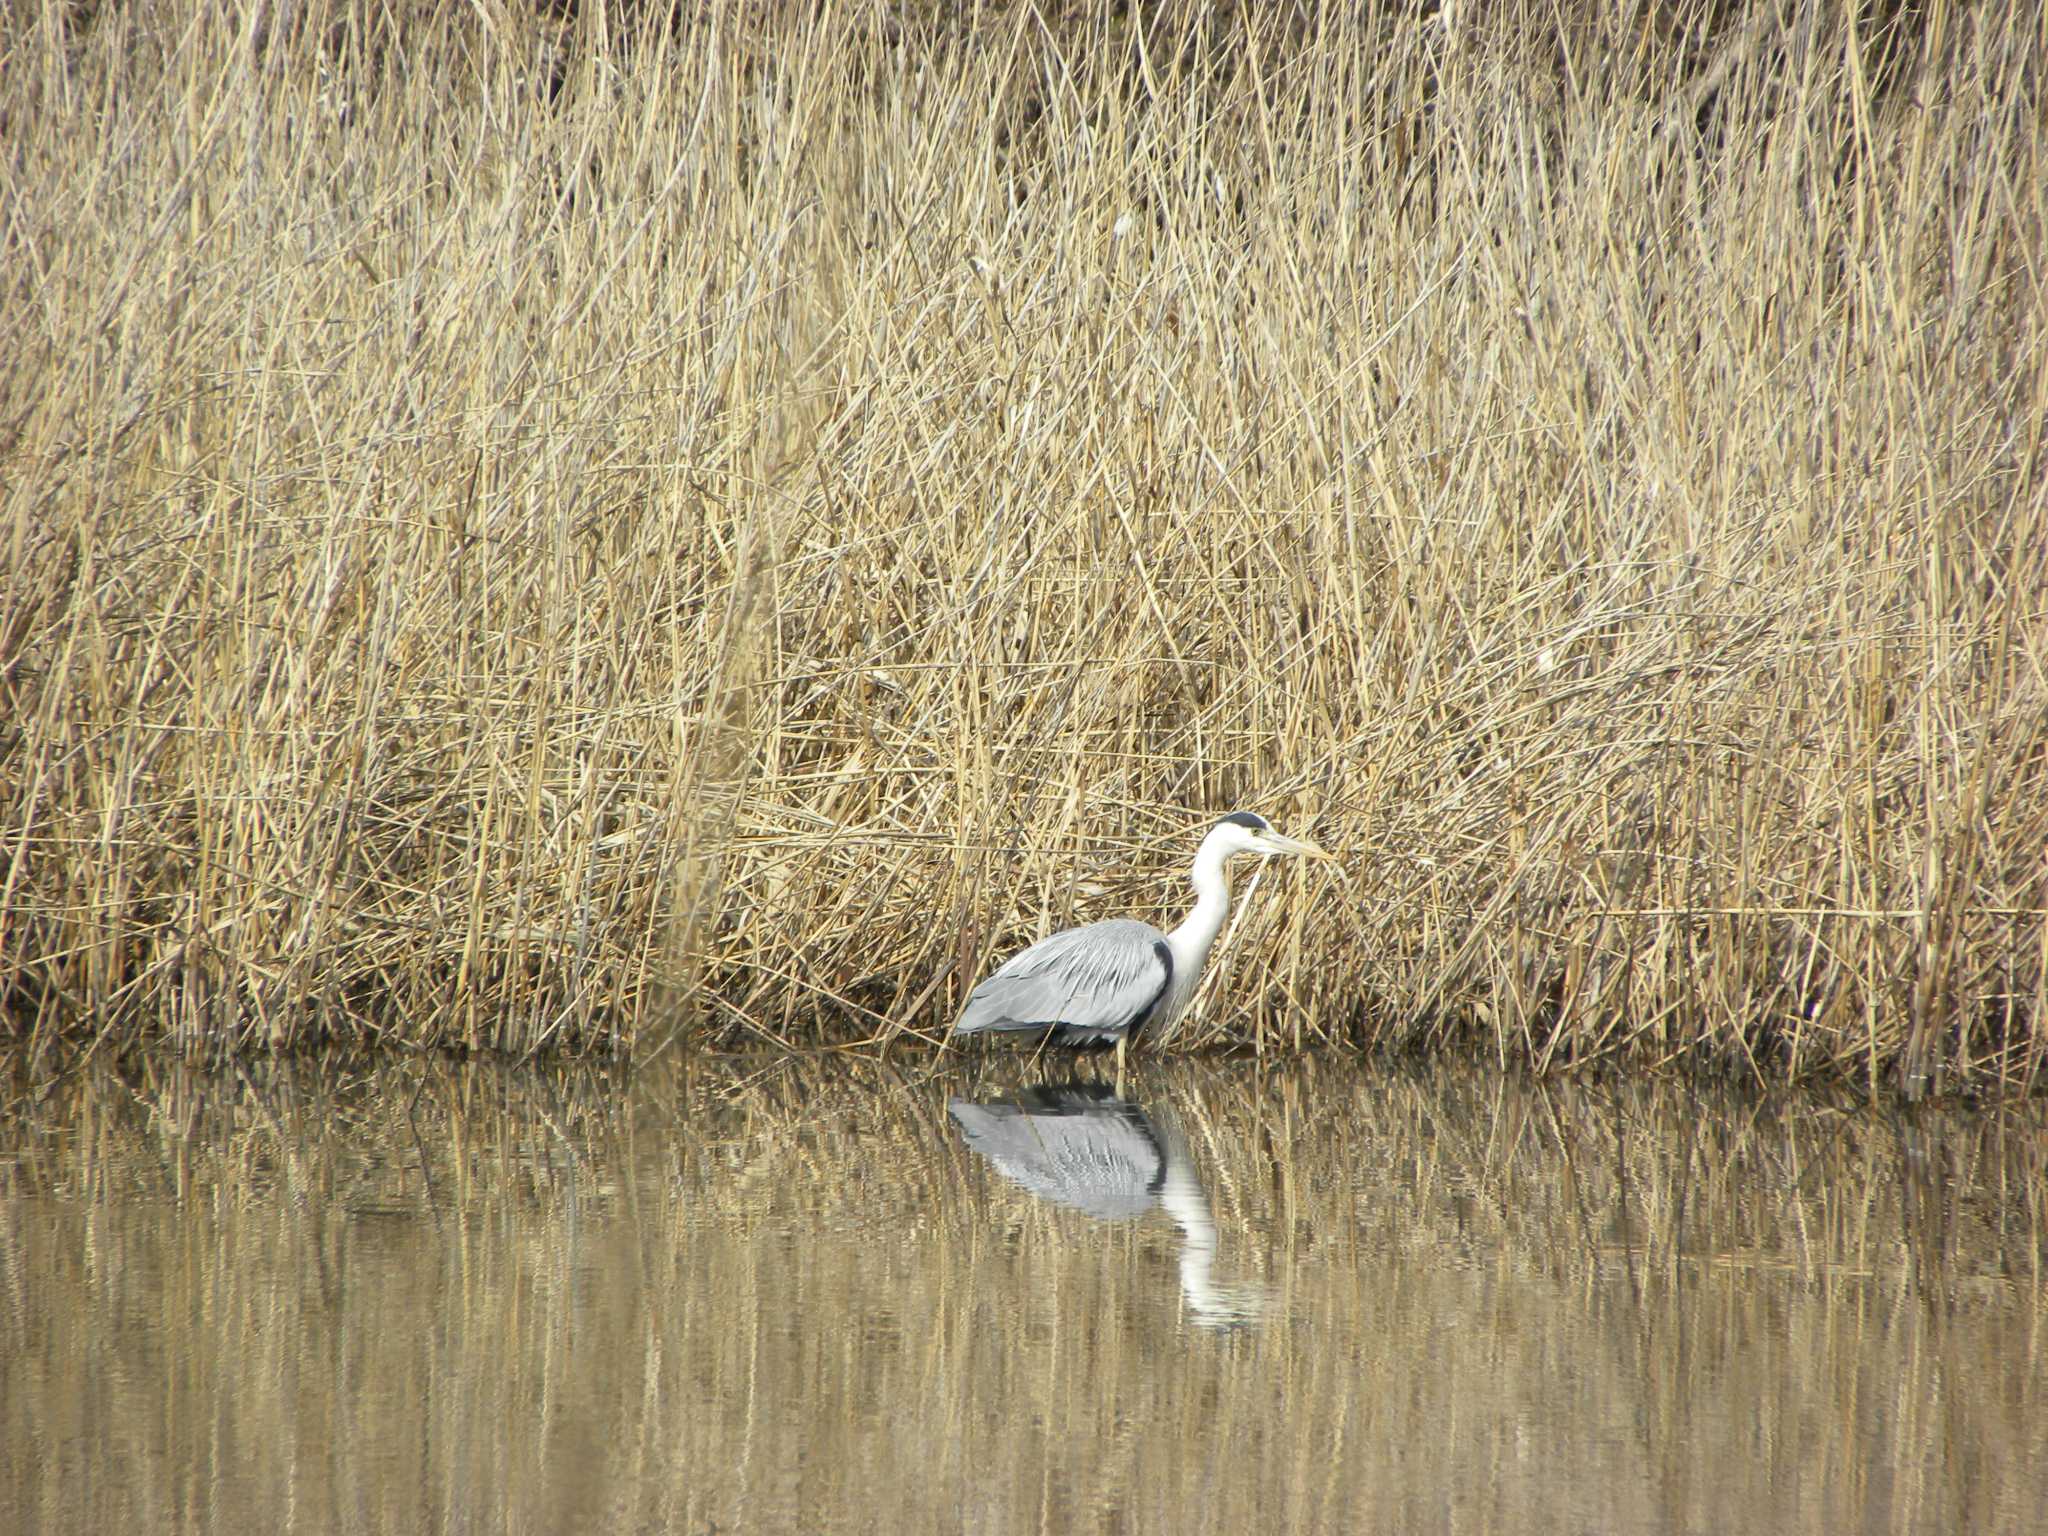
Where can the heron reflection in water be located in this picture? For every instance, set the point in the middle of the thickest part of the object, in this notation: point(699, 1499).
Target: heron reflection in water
point(1081, 1146)
point(1102, 982)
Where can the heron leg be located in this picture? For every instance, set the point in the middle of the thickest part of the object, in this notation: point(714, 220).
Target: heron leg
point(1121, 1042)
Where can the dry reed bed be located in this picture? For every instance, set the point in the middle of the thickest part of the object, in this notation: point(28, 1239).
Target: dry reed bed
point(529, 538)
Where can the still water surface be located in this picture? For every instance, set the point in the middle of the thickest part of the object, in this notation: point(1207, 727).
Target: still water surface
point(791, 1294)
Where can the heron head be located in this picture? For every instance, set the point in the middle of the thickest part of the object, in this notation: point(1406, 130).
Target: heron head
point(1249, 832)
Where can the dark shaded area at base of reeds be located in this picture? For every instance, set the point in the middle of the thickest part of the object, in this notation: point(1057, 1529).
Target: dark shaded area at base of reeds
point(538, 531)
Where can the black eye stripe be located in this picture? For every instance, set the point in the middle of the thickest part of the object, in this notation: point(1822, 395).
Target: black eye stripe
point(1247, 820)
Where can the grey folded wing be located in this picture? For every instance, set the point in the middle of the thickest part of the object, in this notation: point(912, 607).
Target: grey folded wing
point(1091, 983)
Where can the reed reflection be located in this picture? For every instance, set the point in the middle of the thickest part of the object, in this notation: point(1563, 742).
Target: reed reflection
point(1081, 1146)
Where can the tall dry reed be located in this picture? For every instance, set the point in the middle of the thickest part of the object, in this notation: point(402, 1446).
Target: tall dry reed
point(534, 533)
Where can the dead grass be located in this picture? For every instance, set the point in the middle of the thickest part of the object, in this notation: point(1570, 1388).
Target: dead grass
point(532, 537)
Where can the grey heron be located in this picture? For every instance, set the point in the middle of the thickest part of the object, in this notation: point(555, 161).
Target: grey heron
point(1104, 981)
point(1079, 1146)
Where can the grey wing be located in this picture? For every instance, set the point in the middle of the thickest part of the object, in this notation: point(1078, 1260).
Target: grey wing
point(1095, 980)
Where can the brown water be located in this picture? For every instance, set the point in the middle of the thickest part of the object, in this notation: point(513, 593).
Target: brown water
point(788, 1295)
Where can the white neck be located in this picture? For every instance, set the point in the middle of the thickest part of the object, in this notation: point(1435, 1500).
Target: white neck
point(1191, 940)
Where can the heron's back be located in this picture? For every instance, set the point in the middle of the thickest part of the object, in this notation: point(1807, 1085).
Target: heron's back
point(1092, 983)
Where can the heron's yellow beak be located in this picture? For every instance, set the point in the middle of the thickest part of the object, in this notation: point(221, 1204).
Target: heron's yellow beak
point(1294, 845)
